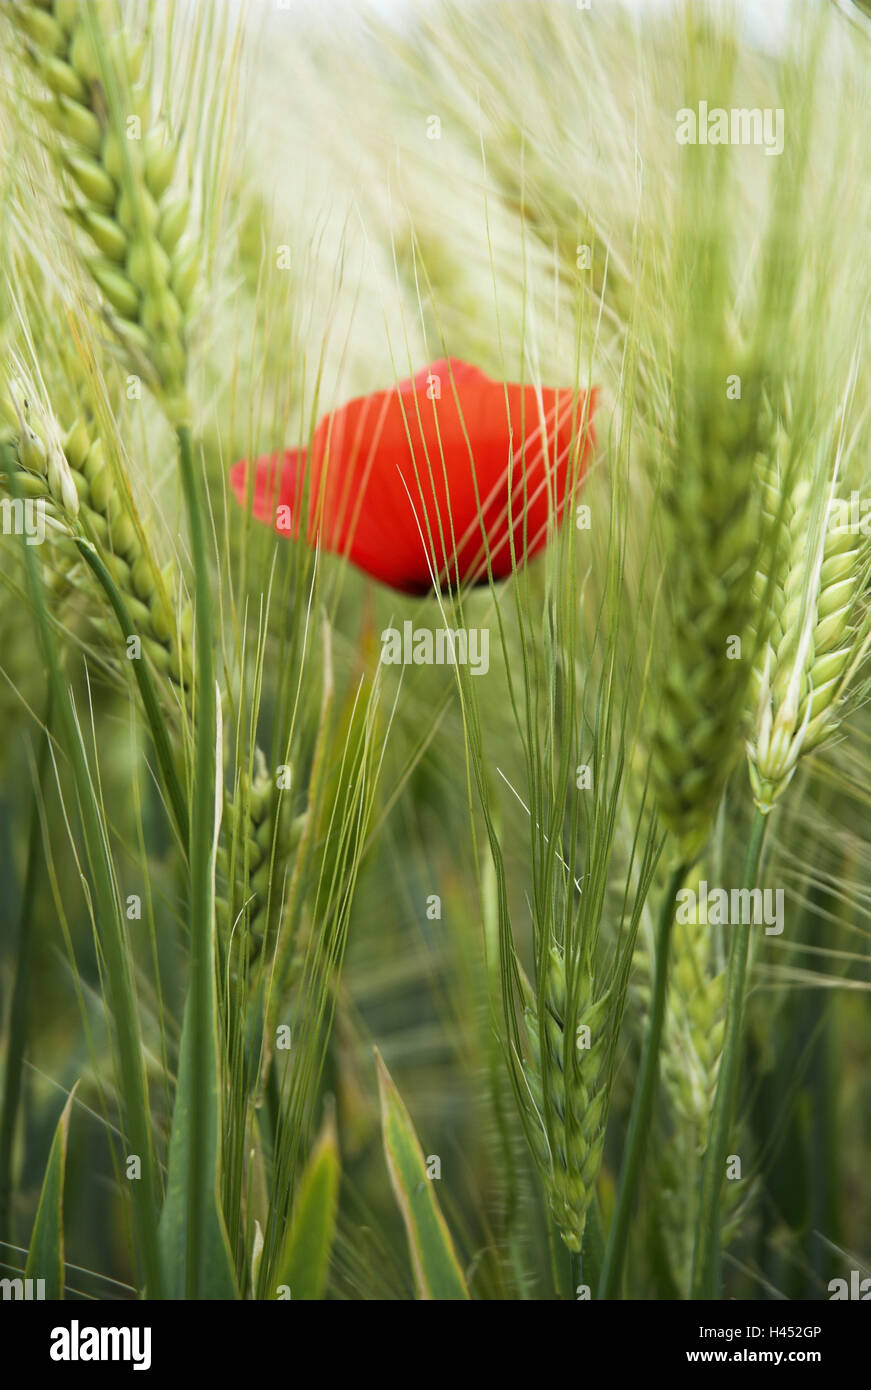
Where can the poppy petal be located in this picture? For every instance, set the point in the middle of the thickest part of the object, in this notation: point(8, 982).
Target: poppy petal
point(277, 481)
point(445, 370)
point(420, 483)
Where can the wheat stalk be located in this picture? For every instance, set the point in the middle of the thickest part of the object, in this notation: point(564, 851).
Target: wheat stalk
point(567, 1092)
point(120, 163)
point(690, 1063)
point(263, 837)
point(693, 1038)
point(818, 638)
point(712, 525)
point(67, 470)
point(68, 473)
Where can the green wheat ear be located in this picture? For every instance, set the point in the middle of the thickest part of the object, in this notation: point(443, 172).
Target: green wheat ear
point(568, 1095)
point(68, 471)
point(261, 837)
point(143, 264)
point(690, 1060)
point(817, 642)
point(712, 523)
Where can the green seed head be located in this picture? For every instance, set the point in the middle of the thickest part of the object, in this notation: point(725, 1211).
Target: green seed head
point(121, 185)
point(566, 1091)
point(712, 536)
point(818, 633)
point(70, 472)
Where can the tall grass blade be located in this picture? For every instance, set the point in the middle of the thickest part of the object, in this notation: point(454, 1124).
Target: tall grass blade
point(437, 1272)
point(305, 1259)
point(18, 1012)
point(45, 1258)
point(196, 1250)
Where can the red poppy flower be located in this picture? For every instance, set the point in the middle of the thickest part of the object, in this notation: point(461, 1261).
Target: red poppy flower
point(417, 483)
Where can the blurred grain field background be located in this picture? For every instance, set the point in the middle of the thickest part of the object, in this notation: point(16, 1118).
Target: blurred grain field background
point(416, 906)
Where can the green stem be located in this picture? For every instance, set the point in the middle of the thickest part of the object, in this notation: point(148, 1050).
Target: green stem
point(594, 1246)
point(201, 906)
point(553, 1241)
point(642, 1101)
point(20, 991)
point(577, 1271)
point(705, 1281)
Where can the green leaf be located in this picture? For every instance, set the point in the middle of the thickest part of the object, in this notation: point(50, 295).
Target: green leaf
point(45, 1258)
point(437, 1272)
point(195, 1249)
point(17, 1028)
point(203, 1270)
point(305, 1259)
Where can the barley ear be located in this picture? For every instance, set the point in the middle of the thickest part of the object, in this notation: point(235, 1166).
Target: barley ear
point(817, 642)
point(690, 1062)
point(119, 163)
point(68, 472)
point(712, 529)
point(261, 838)
point(566, 1093)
